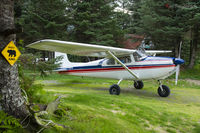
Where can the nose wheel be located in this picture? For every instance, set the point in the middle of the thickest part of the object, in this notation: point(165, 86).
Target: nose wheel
point(163, 90)
point(114, 89)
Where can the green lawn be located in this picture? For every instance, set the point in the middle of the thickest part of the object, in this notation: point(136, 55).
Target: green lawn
point(89, 108)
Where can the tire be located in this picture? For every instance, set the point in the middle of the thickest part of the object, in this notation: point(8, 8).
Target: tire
point(114, 89)
point(165, 92)
point(138, 84)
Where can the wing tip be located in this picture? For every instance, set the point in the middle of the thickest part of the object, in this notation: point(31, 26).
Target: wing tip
point(37, 42)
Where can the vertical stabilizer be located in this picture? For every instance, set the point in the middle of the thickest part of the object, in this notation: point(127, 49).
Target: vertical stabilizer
point(65, 61)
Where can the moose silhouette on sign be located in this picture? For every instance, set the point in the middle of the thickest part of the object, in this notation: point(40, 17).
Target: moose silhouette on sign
point(11, 53)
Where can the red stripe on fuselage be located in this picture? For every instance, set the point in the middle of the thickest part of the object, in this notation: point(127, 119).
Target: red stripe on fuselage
point(112, 69)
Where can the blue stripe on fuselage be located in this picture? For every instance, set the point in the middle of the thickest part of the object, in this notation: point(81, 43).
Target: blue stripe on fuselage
point(100, 66)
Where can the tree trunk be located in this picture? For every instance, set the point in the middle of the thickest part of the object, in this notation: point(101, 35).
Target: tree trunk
point(176, 51)
point(11, 100)
point(193, 47)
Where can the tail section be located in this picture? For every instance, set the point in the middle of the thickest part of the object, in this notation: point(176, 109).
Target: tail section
point(65, 61)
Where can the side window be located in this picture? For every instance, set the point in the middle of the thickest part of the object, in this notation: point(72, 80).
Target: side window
point(125, 59)
point(110, 61)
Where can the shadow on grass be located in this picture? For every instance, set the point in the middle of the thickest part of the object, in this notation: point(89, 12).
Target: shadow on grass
point(86, 86)
point(176, 96)
point(141, 92)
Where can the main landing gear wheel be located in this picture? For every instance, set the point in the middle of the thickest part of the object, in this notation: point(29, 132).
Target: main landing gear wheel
point(164, 91)
point(114, 89)
point(138, 84)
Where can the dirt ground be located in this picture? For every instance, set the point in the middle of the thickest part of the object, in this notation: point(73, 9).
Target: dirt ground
point(197, 82)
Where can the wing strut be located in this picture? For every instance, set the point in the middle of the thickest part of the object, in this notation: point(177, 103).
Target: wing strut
point(122, 64)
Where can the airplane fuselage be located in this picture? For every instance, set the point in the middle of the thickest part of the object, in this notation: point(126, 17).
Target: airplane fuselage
point(149, 68)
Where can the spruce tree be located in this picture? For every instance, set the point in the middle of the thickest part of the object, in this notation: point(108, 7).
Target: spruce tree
point(163, 21)
point(94, 22)
point(42, 20)
point(193, 10)
point(169, 22)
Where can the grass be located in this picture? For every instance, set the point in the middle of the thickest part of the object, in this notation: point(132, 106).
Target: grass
point(89, 108)
point(193, 74)
point(190, 74)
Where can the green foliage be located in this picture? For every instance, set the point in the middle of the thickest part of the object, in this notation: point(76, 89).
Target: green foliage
point(162, 24)
point(34, 91)
point(169, 22)
point(87, 21)
point(191, 73)
point(48, 66)
point(9, 124)
point(197, 67)
point(28, 61)
point(35, 108)
point(94, 22)
point(42, 19)
point(60, 112)
point(27, 81)
point(34, 62)
point(123, 17)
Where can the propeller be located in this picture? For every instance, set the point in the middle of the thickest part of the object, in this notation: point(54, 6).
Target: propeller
point(178, 66)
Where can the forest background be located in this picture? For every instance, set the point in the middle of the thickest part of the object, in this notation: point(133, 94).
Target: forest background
point(165, 23)
point(101, 22)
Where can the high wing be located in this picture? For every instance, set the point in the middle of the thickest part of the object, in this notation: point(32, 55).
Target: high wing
point(81, 49)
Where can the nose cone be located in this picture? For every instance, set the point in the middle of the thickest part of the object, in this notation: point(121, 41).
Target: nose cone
point(178, 61)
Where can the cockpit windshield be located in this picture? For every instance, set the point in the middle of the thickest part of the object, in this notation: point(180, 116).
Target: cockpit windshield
point(142, 51)
point(140, 54)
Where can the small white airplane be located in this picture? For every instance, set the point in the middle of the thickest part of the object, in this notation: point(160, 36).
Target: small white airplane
point(117, 63)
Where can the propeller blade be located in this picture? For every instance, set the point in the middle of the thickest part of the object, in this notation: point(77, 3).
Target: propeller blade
point(179, 53)
point(177, 73)
point(178, 66)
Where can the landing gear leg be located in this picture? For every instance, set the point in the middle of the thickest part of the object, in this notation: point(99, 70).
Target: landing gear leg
point(115, 89)
point(163, 90)
point(119, 81)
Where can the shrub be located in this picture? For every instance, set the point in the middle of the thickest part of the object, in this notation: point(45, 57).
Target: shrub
point(9, 123)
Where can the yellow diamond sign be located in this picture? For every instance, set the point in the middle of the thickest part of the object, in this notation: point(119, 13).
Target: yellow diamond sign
point(11, 53)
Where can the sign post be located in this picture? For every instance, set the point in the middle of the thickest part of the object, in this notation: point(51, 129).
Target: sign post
point(11, 53)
